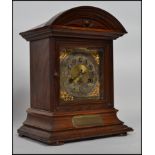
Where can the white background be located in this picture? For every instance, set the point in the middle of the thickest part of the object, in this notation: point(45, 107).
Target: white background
point(127, 76)
point(148, 77)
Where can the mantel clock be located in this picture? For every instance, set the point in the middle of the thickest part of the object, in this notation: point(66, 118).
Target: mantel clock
point(71, 77)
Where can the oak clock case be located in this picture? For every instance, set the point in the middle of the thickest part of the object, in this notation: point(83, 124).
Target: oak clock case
point(71, 77)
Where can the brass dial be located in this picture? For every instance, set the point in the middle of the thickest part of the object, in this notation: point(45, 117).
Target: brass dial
point(79, 74)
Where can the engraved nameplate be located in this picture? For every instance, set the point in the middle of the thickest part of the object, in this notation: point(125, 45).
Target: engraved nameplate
point(87, 121)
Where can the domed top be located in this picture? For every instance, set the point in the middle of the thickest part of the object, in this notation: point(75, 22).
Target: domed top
point(81, 21)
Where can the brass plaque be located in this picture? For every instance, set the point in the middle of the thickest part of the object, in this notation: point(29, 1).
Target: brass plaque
point(87, 121)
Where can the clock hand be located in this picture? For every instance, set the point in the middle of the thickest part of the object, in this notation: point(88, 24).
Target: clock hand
point(78, 77)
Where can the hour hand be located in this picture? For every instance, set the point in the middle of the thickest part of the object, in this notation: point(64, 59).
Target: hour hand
point(74, 80)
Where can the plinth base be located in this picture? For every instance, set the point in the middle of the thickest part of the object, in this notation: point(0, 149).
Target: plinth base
point(58, 138)
point(56, 129)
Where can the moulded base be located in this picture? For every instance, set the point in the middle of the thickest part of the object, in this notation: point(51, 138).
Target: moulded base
point(57, 128)
point(59, 137)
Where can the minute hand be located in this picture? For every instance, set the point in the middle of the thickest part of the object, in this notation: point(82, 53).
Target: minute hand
point(77, 78)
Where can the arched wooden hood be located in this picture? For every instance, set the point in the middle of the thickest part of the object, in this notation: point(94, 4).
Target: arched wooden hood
point(79, 22)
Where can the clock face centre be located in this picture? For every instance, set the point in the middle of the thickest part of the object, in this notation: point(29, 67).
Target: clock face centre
point(79, 81)
point(79, 74)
